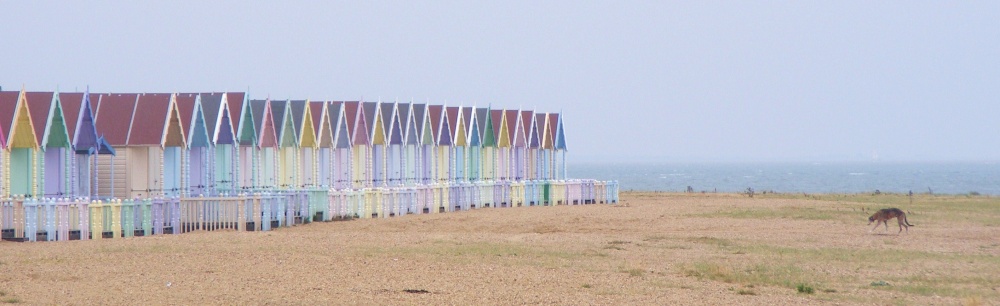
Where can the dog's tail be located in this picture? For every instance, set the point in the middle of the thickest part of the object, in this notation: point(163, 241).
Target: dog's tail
point(906, 221)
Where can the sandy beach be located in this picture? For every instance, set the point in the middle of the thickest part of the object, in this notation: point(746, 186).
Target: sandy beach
point(653, 249)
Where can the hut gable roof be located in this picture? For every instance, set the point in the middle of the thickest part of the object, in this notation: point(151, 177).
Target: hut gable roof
point(533, 141)
point(560, 139)
point(485, 125)
point(401, 123)
point(341, 136)
point(263, 123)
point(219, 124)
point(540, 121)
point(475, 138)
point(445, 134)
point(390, 122)
point(40, 104)
point(360, 135)
point(235, 105)
point(113, 117)
point(420, 124)
point(499, 128)
point(373, 122)
point(520, 132)
point(305, 133)
point(153, 120)
point(553, 125)
point(79, 115)
point(434, 114)
point(16, 118)
point(510, 118)
point(455, 126)
point(352, 114)
point(321, 123)
point(193, 121)
point(284, 125)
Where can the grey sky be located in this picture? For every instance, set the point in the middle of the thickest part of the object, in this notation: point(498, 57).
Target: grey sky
point(665, 81)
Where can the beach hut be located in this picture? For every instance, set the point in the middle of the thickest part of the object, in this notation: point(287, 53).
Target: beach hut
point(3, 161)
point(284, 128)
point(411, 143)
point(524, 119)
point(267, 144)
point(394, 156)
point(438, 119)
point(22, 150)
point(547, 148)
point(156, 146)
point(56, 153)
point(559, 146)
point(473, 142)
point(78, 112)
point(111, 171)
point(246, 169)
point(360, 145)
point(224, 157)
point(501, 158)
point(198, 159)
point(425, 150)
point(509, 125)
point(342, 145)
point(534, 144)
point(324, 142)
point(457, 129)
point(489, 145)
point(307, 146)
point(376, 136)
point(477, 121)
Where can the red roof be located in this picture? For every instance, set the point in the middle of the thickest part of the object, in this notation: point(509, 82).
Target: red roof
point(435, 112)
point(150, 119)
point(316, 109)
point(511, 124)
point(453, 119)
point(235, 101)
point(8, 104)
point(71, 103)
point(496, 116)
point(185, 108)
point(39, 103)
point(114, 117)
point(351, 112)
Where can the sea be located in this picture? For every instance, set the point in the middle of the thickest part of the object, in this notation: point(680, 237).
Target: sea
point(981, 178)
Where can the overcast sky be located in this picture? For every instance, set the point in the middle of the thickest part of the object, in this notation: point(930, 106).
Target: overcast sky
point(663, 81)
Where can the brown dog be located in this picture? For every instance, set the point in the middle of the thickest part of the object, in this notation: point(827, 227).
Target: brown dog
point(884, 215)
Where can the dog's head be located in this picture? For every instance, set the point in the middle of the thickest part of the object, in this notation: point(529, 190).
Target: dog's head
point(871, 219)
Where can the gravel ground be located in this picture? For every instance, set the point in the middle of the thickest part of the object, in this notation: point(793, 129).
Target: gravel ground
point(632, 253)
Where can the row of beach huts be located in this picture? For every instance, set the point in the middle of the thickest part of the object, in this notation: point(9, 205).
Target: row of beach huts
point(90, 165)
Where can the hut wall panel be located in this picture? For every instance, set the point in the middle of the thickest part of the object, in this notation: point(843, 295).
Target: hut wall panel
point(307, 167)
point(172, 171)
point(268, 173)
point(223, 168)
point(83, 175)
point(112, 174)
point(325, 172)
point(20, 171)
point(55, 175)
point(247, 166)
point(198, 183)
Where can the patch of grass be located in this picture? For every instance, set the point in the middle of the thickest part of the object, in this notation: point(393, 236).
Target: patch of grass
point(789, 212)
point(614, 247)
point(617, 242)
point(710, 241)
point(828, 290)
point(746, 292)
point(586, 286)
point(634, 272)
point(803, 288)
point(11, 300)
point(879, 284)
